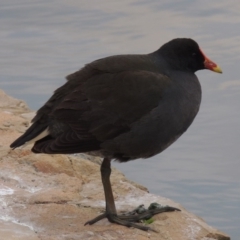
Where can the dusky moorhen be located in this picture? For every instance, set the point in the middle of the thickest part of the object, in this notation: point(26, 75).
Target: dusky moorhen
point(122, 107)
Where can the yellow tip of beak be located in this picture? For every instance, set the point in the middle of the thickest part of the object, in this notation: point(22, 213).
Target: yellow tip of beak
point(217, 69)
point(210, 64)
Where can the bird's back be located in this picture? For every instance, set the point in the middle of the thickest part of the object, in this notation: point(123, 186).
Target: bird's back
point(125, 106)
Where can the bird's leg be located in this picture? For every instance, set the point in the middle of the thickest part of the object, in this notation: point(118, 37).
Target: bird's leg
point(105, 174)
point(110, 204)
point(111, 213)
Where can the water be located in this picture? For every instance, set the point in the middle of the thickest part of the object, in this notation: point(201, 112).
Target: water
point(43, 41)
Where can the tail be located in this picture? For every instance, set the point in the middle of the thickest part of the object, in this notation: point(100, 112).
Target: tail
point(35, 132)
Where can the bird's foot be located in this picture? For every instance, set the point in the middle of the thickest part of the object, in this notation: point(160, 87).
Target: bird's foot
point(137, 215)
point(121, 220)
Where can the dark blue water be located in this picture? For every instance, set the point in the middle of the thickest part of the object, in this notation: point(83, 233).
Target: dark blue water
point(43, 41)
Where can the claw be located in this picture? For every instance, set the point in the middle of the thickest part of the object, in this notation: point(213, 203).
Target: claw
point(129, 220)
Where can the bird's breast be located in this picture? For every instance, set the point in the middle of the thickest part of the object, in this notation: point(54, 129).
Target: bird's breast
point(158, 129)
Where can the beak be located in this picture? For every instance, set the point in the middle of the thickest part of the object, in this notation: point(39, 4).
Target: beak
point(211, 65)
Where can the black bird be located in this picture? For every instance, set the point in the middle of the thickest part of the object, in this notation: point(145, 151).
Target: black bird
point(122, 107)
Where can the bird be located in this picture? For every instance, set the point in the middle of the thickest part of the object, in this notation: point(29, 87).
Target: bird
point(122, 107)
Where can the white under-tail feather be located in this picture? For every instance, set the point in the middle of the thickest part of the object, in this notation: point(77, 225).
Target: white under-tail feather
point(43, 134)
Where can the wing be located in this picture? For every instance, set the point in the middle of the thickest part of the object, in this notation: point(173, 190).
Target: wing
point(94, 106)
point(108, 104)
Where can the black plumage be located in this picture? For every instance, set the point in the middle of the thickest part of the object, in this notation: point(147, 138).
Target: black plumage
point(123, 107)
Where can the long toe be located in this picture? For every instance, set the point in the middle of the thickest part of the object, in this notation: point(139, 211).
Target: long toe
point(96, 219)
point(147, 214)
point(118, 220)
